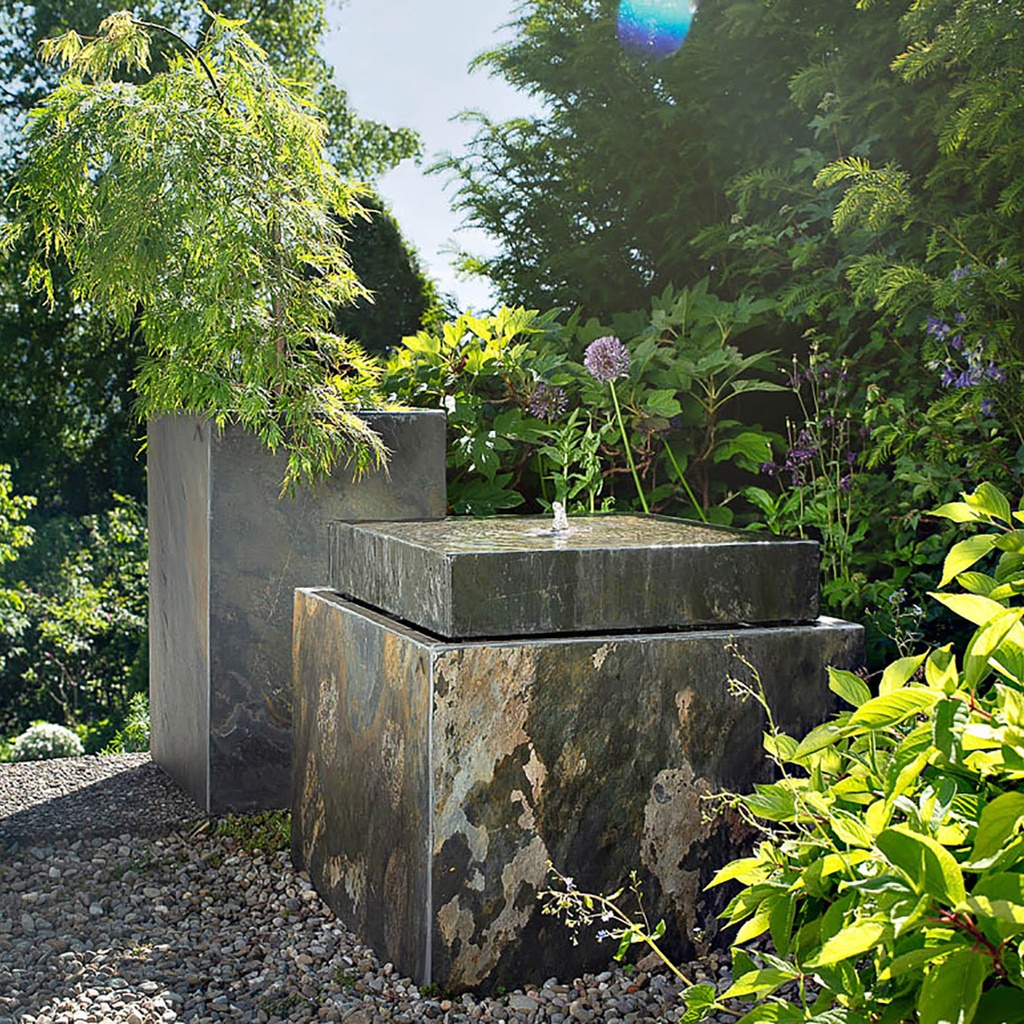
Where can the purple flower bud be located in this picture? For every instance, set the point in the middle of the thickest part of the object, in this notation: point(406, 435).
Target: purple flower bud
point(606, 359)
point(960, 273)
point(547, 402)
point(957, 342)
point(949, 376)
point(993, 372)
point(988, 407)
point(937, 327)
point(846, 483)
point(769, 468)
point(960, 318)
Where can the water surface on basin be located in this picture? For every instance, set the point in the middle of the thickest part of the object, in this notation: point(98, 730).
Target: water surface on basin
point(464, 535)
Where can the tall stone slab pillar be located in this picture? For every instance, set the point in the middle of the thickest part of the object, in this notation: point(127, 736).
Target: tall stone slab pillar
point(226, 554)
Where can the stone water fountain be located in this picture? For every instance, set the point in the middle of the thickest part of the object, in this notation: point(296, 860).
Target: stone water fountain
point(476, 698)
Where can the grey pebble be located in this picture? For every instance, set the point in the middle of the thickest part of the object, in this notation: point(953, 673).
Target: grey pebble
point(122, 911)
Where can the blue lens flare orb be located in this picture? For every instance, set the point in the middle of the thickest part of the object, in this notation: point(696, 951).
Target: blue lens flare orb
point(654, 28)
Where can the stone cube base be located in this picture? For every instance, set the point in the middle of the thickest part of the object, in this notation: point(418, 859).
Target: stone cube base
point(435, 780)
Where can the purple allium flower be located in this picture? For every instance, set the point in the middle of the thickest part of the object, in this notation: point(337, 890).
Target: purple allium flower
point(606, 359)
point(548, 402)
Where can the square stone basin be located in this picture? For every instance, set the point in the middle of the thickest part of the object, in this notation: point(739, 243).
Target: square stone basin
point(509, 576)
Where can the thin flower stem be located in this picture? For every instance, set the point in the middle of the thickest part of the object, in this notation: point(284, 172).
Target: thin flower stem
point(628, 447)
point(682, 479)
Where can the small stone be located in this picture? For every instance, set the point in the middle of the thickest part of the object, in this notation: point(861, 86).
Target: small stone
point(522, 1003)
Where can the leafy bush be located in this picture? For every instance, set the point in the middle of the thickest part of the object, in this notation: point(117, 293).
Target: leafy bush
point(133, 736)
point(44, 741)
point(529, 424)
point(891, 874)
point(78, 653)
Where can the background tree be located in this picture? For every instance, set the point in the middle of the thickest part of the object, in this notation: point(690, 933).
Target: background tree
point(597, 202)
point(402, 299)
point(65, 406)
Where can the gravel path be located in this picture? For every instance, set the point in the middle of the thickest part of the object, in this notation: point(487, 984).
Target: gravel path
point(116, 906)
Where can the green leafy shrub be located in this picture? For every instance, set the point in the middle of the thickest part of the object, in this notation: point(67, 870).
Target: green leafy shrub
point(79, 652)
point(890, 878)
point(529, 424)
point(44, 741)
point(133, 736)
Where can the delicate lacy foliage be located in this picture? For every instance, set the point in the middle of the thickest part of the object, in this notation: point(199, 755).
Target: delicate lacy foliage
point(199, 209)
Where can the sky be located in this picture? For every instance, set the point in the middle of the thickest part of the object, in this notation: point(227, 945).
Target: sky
point(404, 62)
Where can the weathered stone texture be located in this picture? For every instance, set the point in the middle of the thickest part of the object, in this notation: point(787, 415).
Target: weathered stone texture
point(482, 761)
point(512, 576)
point(226, 553)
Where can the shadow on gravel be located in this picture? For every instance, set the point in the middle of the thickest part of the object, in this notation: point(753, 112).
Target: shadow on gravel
point(45, 801)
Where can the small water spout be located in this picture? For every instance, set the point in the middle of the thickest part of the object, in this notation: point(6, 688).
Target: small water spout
point(561, 524)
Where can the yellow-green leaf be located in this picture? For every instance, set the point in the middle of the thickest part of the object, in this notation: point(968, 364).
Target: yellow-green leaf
point(929, 867)
point(1000, 818)
point(853, 940)
point(890, 708)
point(964, 554)
point(899, 673)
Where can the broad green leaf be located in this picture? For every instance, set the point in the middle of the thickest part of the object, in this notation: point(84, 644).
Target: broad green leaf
point(759, 983)
point(940, 671)
point(699, 996)
point(742, 962)
point(1008, 917)
point(662, 403)
point(957, 511)
point(948, 720)
point(850, 687)
point(775, 803)
point(780, 924)
point(891, 708)
point(1012, 541)
point(985, 642)
point(744, 869)
point(951, 989)
point(1001, 1006)
point(851, 831)
point(977, 583)
point(990, 501)
point(972, 607)
point(929, 867)
point(773, 1013)
point(964, 554)
point(819, 738)
point(853, 940)
point(1000, 819)
point(917, 958)
point(898, 673)
point(759, 923)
